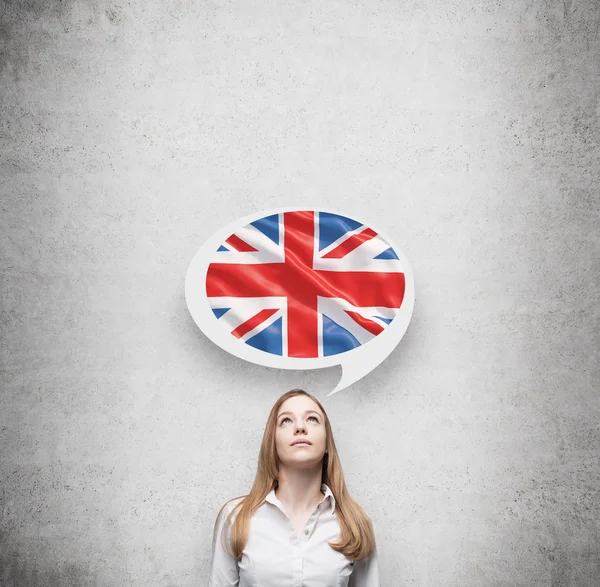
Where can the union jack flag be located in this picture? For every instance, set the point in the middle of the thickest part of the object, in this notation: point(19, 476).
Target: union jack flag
point(305, 284)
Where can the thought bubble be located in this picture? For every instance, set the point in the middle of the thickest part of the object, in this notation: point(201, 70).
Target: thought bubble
point(298, 288)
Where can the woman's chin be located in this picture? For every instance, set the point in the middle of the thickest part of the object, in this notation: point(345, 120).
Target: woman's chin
point(305, 461)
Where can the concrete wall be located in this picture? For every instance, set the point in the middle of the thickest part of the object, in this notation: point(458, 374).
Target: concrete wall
point(469, 131)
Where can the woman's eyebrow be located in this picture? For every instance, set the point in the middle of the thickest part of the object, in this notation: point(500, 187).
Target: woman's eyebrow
point(307, 412)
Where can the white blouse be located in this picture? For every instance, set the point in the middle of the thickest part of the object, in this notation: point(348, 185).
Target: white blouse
point(275, 556)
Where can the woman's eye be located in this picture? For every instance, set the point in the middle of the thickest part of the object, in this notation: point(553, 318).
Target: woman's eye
point(314, 417)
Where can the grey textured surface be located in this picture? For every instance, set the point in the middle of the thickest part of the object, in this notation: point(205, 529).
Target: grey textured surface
point(468, 131)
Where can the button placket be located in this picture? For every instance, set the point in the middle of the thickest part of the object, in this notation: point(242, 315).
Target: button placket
point(312, 520)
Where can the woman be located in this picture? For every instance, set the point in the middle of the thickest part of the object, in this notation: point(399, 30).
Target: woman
point(298, 526)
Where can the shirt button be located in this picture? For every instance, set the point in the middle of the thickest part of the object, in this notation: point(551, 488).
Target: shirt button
point(306, 531)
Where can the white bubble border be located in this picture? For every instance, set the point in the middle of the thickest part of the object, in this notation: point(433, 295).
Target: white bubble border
point(355, 363)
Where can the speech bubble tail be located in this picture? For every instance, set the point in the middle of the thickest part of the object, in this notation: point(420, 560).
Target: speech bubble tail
point(349, 376)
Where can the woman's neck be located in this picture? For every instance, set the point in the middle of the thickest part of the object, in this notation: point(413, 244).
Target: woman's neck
point(299, 491)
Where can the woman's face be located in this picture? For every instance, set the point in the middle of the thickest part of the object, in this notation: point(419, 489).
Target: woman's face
point(300, 432)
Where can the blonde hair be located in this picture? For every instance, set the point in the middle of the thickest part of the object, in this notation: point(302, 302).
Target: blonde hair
point(356, 540)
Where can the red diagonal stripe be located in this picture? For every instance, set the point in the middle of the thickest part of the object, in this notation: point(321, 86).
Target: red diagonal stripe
point(350, 244)
point(369, 325)
point(239, 245)
point(252, 323)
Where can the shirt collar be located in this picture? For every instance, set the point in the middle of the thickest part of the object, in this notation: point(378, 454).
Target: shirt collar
point(272, 498)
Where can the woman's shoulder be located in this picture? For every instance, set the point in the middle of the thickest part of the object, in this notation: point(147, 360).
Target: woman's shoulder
point(230, 505)
point(235, 501)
